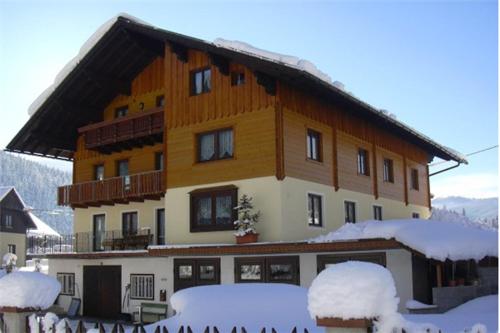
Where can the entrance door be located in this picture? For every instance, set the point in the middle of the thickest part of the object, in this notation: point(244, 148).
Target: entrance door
point(102, 291)
point(160, 226)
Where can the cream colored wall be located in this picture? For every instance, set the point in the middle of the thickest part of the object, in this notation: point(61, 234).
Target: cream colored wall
point(19, 240)
point(294, 207)
point(146, 215)
point(266, 198)
point(161, 267)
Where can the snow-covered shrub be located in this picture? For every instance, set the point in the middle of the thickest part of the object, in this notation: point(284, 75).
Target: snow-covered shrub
point(9, 262)
point(245, 224)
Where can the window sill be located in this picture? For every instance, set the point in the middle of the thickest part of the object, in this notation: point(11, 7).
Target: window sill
point(316, 226)
point(210, 229)
point(215, 160)
point(319, 162)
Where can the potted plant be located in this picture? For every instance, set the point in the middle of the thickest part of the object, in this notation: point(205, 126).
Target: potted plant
point(245, 224)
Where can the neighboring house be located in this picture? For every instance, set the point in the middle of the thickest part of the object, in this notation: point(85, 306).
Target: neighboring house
point(14, 221)
point(166, 131)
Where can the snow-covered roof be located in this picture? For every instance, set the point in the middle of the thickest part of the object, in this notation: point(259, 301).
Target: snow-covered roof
point(28, 290)
point(434, 239)
point(41, 227)
point(4, 190)
point(273, 64)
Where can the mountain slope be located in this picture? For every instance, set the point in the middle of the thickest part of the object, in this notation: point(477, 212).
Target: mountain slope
point(37, 184)
point(475, 209)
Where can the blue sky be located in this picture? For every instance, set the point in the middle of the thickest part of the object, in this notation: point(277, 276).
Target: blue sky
point(433, 64)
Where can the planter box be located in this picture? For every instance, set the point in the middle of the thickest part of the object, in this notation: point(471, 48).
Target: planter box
point(248, 238)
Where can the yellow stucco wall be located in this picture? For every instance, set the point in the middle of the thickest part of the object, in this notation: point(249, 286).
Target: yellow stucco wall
point(19, 240)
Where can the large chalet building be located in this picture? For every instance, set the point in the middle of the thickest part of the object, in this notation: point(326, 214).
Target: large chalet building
point(166, 132)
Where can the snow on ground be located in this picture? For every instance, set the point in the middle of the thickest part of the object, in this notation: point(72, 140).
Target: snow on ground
point(249, 305)
point(482, 310)
point(462, 242)
point(28, 290)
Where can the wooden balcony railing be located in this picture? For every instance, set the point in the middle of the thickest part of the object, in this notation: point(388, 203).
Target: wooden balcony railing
point(135, 130)
point(136, 187)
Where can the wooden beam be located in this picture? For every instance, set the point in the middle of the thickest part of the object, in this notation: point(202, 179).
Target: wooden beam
point(429, 204)
point(335, 167)
point(405, 180)
point(268, 82)
point(220, 62)
point(280, 154)
point(180, 51)
point(375, 175)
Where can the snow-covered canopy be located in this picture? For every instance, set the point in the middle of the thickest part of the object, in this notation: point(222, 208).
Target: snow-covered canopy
point(435, 239)
point(42, 229)
point(353, 290)
point(252, 305)
point(28, 290)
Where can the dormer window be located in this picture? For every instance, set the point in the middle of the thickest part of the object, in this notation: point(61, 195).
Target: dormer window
point(121, 111)
point(237, 78)
point(201, 81)
point(160, 101)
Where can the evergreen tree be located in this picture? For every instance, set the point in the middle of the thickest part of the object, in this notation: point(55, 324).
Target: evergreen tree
point(245, 224)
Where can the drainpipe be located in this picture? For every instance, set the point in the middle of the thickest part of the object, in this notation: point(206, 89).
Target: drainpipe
point(444, 170)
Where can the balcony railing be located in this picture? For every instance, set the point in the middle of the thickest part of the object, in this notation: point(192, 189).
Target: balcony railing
point(90, 242)
point(148, 185)
point(135, 130)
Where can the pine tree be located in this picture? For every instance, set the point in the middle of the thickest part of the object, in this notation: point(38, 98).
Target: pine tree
point(245, 224)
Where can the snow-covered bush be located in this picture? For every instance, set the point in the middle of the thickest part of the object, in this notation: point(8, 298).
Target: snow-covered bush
point(245, 224)
point(9, 262)
point(28, 290)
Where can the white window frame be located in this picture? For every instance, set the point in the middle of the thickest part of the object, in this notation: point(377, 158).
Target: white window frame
point(142, 286)
point(67, 281)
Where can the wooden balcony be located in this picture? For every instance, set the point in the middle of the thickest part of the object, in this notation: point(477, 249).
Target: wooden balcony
point(138, 187)
point(133, 131)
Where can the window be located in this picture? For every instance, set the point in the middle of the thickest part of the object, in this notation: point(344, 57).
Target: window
point(121, 111)
point(237, 78)
point(99, 231)
point(129, 223)
point(278, 269)
point(315, 210)
point(8, 221)
point(159, 160)
point(160, 101)
point(377, 213)
point(215, 145)
point(388, 170)
point(324, 261)
point(350, 211)
point(142, 286)
point(363, 163)
point(201, 81)
point(99, 172)
point(160, 226)
point(313, 145)
point(213, 209)
point(414, 179)
point(11, 248)
point(67, 281)
point(196, 272)
point(415, 215)
point(122, 171)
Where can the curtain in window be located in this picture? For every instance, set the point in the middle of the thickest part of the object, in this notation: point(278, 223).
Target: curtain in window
point(198, 83)
point(224, 208)
point(207, 147)
point(204, 211)
point(206, 80)
point(225, 144)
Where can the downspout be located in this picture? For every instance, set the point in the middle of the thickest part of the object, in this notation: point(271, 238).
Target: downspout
point(444, 170)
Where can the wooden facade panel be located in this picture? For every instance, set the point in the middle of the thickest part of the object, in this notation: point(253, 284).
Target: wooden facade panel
point(222, 101)
point(420, 196)
point(386, 189)
point(254, 150)
point(296, 163)
point(347, 156)
point(140, 160)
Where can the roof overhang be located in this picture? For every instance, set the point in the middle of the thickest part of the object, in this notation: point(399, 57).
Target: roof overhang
point(126, 49)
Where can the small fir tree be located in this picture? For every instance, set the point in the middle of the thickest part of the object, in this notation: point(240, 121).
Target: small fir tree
point(245, 224)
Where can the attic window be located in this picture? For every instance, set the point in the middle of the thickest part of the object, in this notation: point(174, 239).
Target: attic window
point(237, 78)
point(201, 81)
point(121, 111)
point(160, 101)
point(8, 221)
